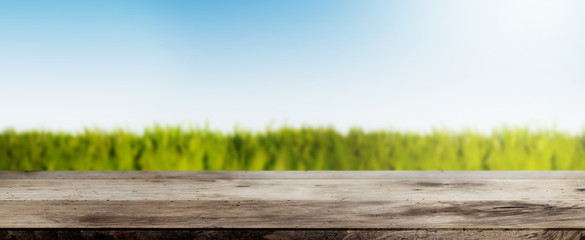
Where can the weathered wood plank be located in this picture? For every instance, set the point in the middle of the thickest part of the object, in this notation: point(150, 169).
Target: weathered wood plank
point(290, 214)
point(307, 200)
point(293, 189)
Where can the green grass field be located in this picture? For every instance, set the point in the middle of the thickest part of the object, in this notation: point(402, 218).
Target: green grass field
point(173, 148)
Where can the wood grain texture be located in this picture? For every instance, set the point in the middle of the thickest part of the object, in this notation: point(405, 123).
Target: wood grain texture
point(291, 200)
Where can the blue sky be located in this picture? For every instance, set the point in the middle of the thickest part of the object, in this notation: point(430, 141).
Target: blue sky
point(403, 65)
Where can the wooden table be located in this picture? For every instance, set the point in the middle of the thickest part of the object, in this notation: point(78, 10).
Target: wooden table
point(293, 205)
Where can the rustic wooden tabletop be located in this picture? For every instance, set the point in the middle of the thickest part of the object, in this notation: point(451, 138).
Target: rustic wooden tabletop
point(302, 205)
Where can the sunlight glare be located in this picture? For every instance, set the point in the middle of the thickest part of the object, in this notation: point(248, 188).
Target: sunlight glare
point(523, 18)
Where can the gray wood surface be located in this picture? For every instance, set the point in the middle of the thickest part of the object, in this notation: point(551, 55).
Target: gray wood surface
point(289, 200)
